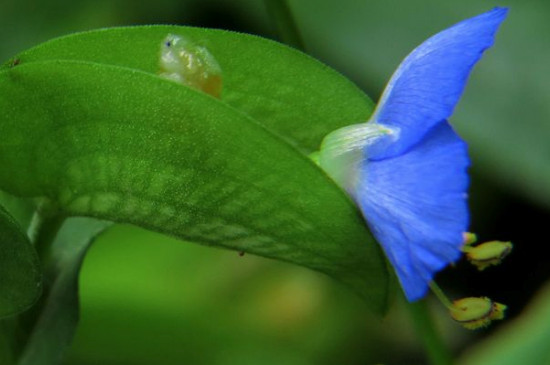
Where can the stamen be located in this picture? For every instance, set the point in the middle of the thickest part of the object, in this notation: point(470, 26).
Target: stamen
point(486, 254)
point(440, 295)
point(472, 313)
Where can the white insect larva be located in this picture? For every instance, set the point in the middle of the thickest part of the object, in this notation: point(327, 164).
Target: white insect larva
point(190, 64)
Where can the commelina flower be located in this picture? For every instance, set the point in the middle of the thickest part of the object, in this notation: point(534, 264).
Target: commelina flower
point(406, 168)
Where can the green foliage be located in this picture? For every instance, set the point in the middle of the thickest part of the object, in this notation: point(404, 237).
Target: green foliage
point(89, 125)
point(147, 298)
point(288, 92)
point(56, 324)
point(20, 274)
point(143, 297)
point(525, 341)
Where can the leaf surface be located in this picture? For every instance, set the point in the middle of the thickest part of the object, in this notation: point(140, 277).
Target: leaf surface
point(124, 145)
point(293, 95)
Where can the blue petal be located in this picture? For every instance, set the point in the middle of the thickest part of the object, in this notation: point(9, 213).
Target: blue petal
point(427, 85)
point(416, 206)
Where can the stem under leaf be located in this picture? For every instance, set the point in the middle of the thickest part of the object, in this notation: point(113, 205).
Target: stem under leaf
point(284, 23)
point(423, 323)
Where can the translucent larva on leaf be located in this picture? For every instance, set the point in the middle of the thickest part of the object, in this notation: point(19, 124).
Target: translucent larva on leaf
point(186, 62)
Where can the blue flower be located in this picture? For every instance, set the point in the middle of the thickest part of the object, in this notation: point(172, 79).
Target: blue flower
point(406, 168)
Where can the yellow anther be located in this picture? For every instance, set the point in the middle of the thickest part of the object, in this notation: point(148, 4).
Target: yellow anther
point(487, 254)
point(473, 313)
point(498, 311)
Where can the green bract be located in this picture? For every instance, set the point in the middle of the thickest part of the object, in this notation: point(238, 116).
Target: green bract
point(88, 124)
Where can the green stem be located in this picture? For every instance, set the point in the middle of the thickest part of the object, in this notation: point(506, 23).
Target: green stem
point(43, 228)
point(42, 232)
point(284, 23)
point(436, 350)
point(56, 317)
point(440, 295)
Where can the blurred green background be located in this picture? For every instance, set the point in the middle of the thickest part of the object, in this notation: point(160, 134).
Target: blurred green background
point(148, 299)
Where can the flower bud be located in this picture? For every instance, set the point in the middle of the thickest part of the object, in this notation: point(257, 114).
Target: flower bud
point(473, 313)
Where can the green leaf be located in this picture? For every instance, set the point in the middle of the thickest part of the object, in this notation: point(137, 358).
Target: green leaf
point(125, 145)
point(59, 310)
point(22, 210)
point(20, 274)
point(290, 93)
point(523, 341)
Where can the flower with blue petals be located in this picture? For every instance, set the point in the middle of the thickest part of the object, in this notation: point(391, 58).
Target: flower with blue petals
point(406, 168)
